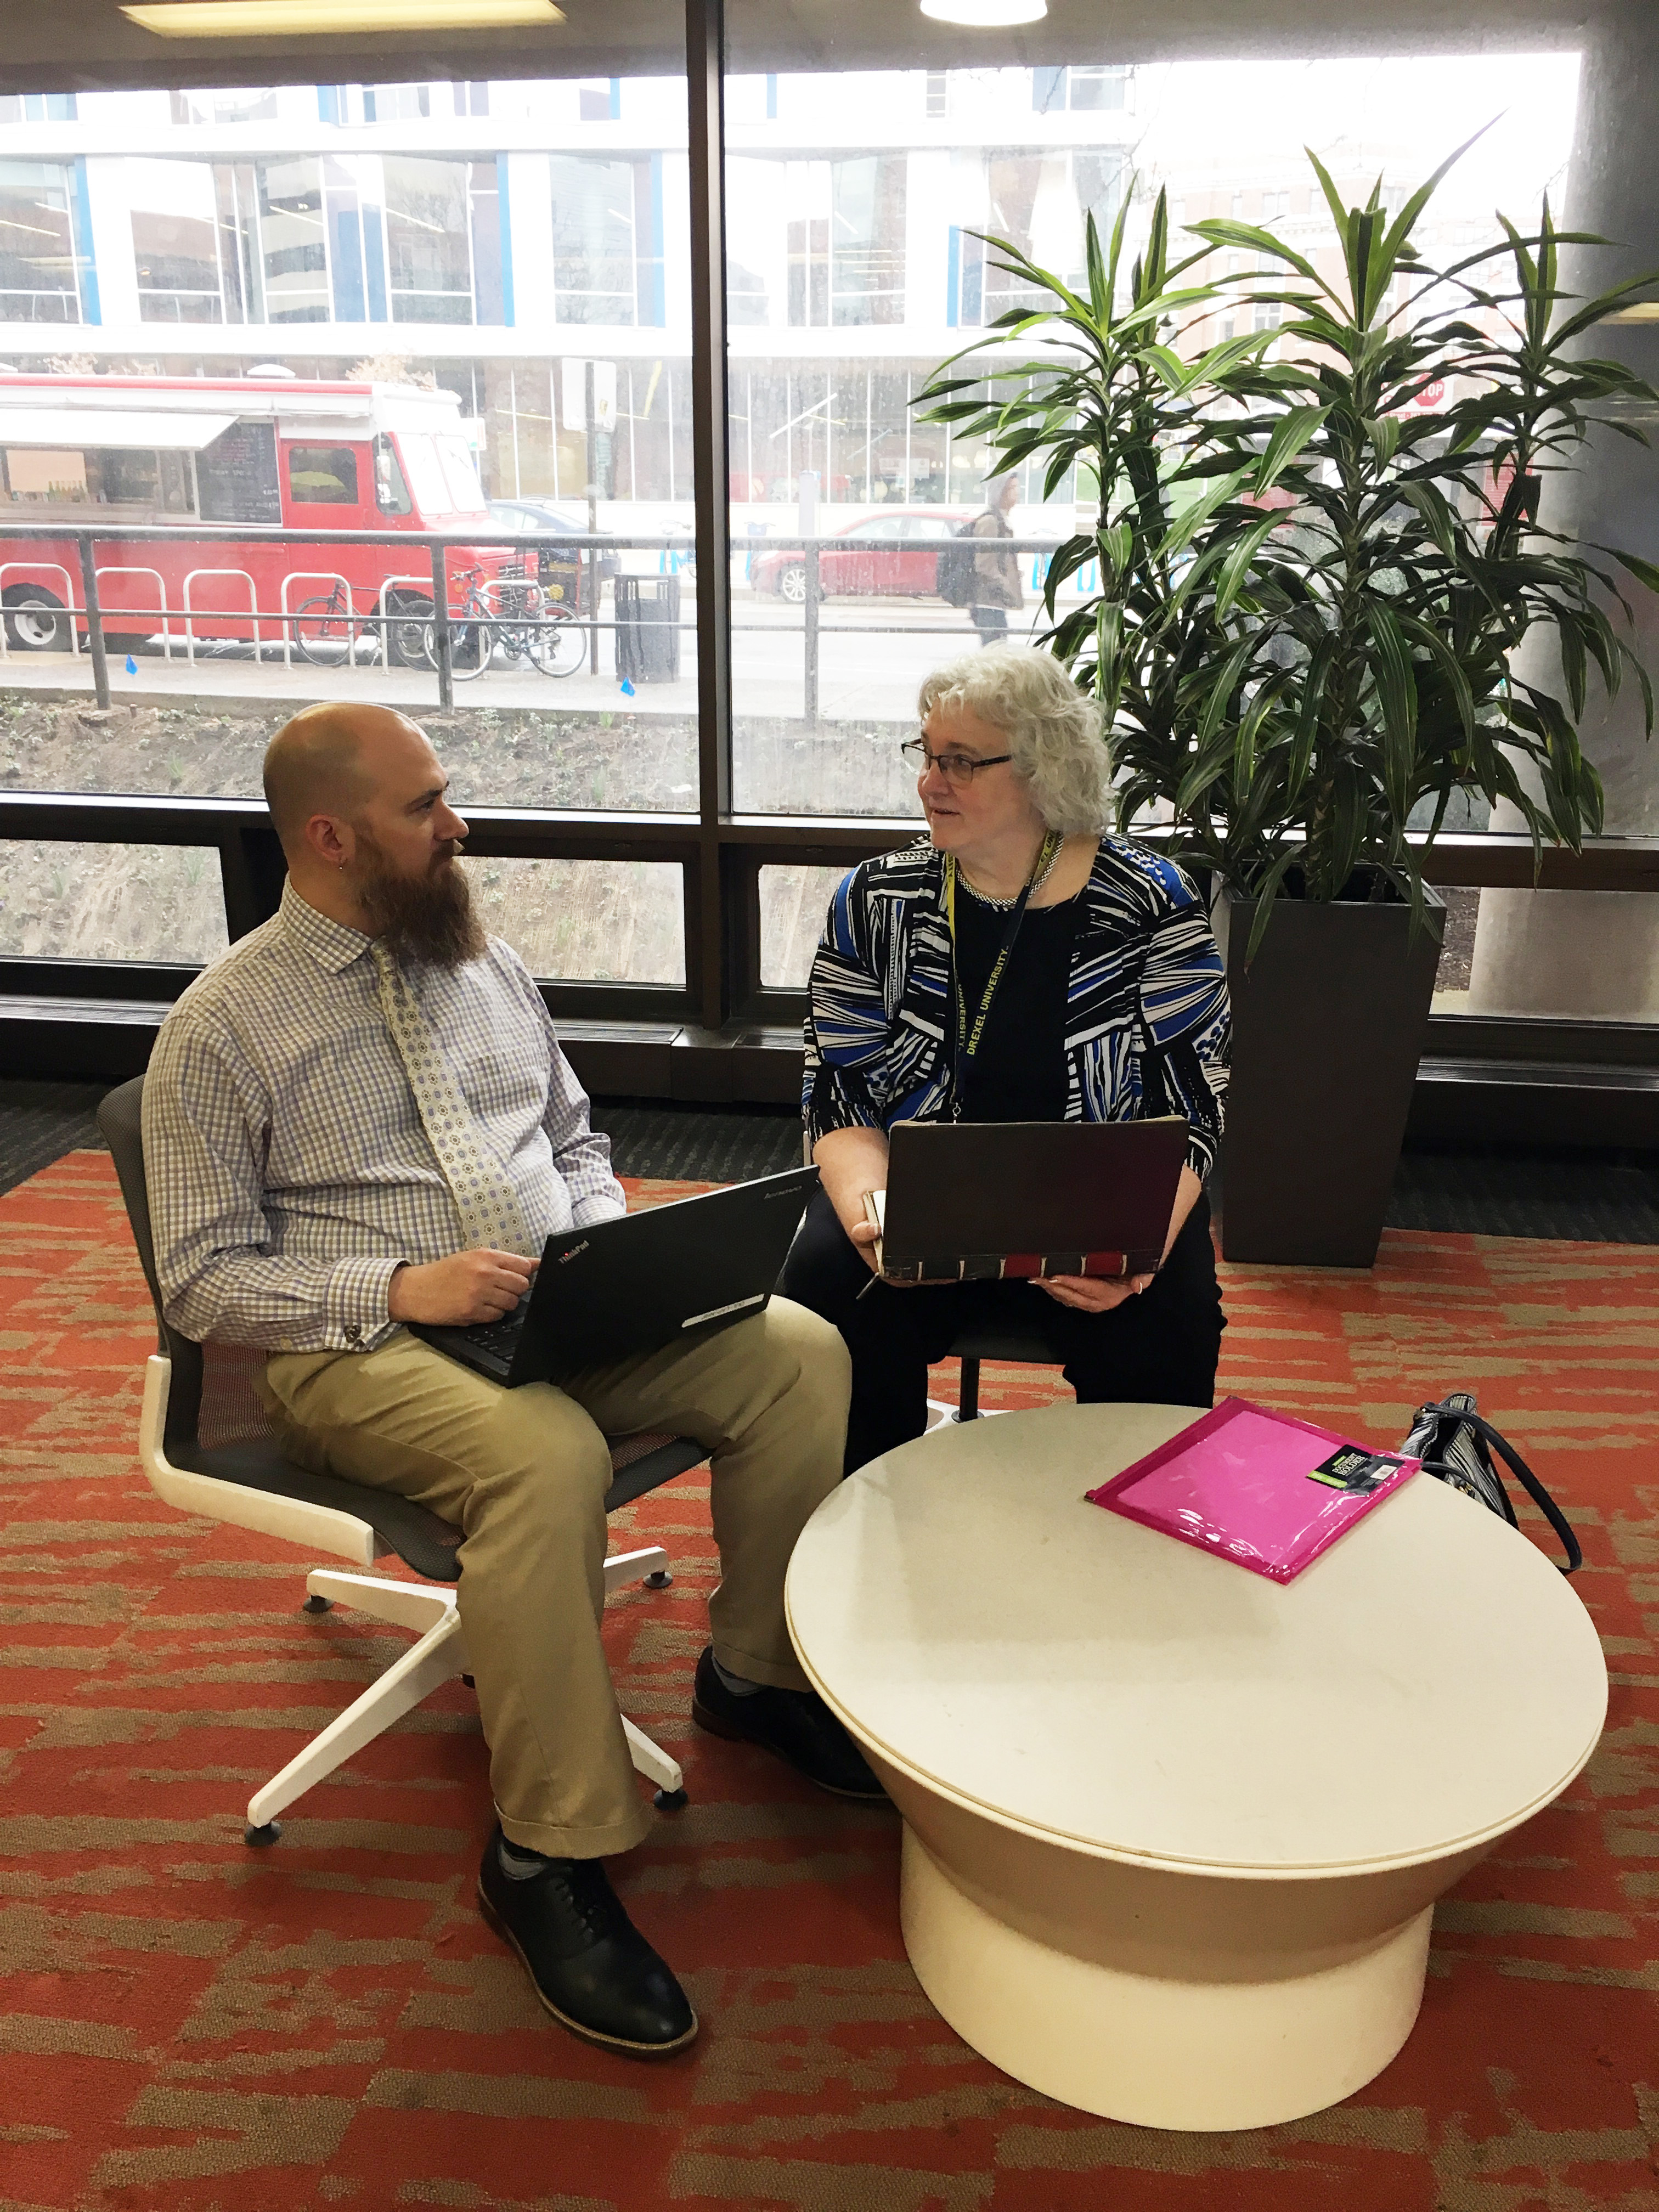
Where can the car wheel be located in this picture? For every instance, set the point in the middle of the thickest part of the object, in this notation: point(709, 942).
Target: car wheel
point(35, 620)
point(792, 583)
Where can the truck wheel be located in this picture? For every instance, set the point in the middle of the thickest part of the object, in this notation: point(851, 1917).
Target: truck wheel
point(409, 632)
point(35, 620)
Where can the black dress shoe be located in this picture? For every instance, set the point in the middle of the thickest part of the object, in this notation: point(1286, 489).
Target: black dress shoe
point(797, 1724)
point(592, 1968)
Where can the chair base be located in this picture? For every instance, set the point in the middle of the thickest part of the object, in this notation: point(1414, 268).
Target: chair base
point(438, 1655)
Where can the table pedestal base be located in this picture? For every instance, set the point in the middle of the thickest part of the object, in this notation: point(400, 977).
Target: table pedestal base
point(1174, 2050)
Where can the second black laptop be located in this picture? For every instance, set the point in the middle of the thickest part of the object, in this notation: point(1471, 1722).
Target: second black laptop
point(633, 1283)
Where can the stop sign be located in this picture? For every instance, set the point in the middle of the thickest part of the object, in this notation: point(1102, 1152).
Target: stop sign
point(1432, 394)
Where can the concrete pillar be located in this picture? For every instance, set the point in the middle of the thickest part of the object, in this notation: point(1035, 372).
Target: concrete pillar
point(1596, 954)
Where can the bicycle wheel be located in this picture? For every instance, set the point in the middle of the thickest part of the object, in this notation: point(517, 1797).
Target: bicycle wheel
point(325, 631)
point(471, 649)
point(409, 639)
point(561, 648)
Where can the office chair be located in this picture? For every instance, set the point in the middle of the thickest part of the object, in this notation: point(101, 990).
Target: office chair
point(1013, 1341)
point(207, 1448)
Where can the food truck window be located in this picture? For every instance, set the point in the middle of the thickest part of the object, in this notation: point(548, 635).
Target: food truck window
point(35, 475)
point(426, 475)
point(391, 492)
point(322, 476)
point(464, 491)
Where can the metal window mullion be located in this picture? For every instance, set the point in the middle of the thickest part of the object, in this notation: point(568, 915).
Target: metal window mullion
point(705, 69)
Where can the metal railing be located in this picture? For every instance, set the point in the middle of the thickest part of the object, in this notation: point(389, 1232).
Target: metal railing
point(452, 574)
point(451, 581)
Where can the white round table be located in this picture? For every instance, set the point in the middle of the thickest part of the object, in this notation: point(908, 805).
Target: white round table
point(1173, 1833)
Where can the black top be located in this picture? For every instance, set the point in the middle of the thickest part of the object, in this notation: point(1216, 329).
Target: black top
point(1018, 1073)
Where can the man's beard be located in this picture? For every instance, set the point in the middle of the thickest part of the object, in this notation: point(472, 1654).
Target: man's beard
point(430, 915)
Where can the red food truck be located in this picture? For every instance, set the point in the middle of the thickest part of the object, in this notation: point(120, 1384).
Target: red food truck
point(262, 453)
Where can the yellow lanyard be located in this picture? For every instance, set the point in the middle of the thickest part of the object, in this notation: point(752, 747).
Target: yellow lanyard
point(967, 1039)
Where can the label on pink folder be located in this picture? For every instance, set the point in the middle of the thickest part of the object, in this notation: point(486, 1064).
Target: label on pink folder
point(1260, 1488)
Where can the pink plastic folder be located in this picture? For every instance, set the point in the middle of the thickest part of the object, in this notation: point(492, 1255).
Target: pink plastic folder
point(1262, 1488)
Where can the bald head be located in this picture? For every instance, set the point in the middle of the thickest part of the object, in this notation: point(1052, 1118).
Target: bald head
point(329, 760)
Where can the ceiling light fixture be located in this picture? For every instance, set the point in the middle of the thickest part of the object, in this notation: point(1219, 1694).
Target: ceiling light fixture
point(985, 14)
point(264, 19)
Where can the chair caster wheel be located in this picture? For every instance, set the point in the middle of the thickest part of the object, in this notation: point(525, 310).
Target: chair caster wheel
point(468, 1679)
point(257, 1839)
point(315, 1604)
point(660, 1579)
point(669, 1801)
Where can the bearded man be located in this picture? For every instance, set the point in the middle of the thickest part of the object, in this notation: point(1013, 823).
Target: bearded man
point(361, 1117)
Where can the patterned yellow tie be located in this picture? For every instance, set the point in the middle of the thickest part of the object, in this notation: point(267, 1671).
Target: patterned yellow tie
point(484, 1199)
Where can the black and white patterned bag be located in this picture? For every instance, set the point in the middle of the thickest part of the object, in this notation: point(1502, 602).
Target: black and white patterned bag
point(1456, 1445)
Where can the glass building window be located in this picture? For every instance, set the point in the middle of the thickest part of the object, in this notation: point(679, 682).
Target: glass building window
point(37, 107)
point(293, 253)
point(600, 101)
point(607, 238)
point(815, 243)
point(1092, 86)
point(251, 107)
point(428, 224)
point(38, 265)
point(175, 241)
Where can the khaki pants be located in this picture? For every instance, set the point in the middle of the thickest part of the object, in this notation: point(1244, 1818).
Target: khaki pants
point(524, 1473)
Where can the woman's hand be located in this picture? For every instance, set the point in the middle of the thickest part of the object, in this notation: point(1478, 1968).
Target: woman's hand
point(850, 1163)
point(1092, 1293)
point(1101, 1293)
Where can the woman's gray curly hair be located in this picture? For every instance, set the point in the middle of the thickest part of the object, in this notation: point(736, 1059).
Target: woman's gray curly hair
point(1053, 731)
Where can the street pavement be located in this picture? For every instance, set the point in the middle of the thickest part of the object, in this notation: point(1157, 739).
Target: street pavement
point(863, 673)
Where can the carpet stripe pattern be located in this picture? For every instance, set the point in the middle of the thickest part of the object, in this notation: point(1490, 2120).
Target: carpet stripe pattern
point(189, 2025)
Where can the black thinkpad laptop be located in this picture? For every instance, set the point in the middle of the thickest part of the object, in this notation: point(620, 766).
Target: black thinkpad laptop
point(638, 1282)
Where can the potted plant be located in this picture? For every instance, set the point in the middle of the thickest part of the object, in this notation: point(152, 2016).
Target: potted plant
point(1321, 650)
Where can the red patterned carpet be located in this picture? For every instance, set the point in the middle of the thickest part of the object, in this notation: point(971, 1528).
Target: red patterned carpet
point(189, 2025)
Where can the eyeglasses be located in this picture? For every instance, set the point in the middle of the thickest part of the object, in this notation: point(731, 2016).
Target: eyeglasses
point(958, 770)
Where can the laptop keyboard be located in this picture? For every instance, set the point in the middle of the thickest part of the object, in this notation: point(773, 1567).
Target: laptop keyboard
point(500, 1338)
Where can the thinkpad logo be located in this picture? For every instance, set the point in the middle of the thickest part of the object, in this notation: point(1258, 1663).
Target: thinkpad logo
point(572, 1253)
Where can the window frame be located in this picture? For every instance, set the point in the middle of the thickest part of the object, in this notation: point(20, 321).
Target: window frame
point(723, 1010)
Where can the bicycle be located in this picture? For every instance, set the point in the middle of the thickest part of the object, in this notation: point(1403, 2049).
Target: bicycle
point(523, 623)
point(329, 631)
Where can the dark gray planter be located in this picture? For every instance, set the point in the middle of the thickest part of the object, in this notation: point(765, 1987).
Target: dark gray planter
point(1328, 1023)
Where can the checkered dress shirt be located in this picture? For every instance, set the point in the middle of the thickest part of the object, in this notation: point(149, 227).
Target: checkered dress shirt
point(289, 1172)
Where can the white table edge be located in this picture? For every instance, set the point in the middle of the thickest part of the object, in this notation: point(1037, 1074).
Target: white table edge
point(1231, 1869)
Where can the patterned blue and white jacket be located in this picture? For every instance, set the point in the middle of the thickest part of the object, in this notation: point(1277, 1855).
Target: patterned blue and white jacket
point(1148, 1022)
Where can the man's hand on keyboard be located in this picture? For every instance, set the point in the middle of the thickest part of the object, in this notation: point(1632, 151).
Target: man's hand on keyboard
point(469, 1287)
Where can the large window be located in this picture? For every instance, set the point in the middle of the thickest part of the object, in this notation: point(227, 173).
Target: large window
point(508, 265)
point(880, 251)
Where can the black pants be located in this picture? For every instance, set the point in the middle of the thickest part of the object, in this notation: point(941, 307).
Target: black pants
point(991, 623)
point(1161, 1346)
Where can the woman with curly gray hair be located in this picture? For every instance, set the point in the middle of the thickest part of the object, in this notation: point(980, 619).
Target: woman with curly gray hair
point(1023, 965)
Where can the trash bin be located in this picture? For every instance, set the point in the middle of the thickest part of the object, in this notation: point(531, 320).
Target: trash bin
point(647, 628)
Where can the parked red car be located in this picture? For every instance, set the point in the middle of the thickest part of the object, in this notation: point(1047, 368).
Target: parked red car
point(904, 567)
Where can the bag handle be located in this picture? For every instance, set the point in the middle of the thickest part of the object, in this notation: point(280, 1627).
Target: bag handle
point(1523, 1474)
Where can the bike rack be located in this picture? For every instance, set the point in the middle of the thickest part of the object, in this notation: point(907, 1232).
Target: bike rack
point(252, 608)
point(390, 583)
point(56, 568)
point(288, 618)
point(162, 602)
